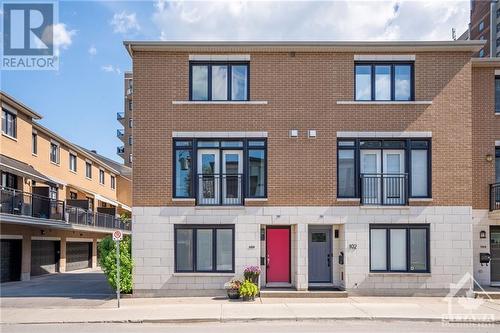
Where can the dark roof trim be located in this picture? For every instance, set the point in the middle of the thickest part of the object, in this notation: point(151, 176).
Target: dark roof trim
point(7, 99)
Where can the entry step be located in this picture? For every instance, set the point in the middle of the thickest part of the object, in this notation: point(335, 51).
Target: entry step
point(291, 293)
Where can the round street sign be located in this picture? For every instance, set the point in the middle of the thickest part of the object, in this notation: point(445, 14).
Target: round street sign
point(117, 235)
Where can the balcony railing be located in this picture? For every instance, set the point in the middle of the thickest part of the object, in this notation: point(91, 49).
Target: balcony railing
point(384, 189)
point(120, 133)
point(16, 202)
point(220, 189)
point(120, 115)
point(120, 150)
point(495, 196)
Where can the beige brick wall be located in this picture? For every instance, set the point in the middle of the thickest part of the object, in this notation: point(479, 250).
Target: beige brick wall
point(302, 92)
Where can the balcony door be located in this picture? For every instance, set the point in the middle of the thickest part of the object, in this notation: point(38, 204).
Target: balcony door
point(393, 179)
point(370, 169)
point(232, 170)
point(208, 176)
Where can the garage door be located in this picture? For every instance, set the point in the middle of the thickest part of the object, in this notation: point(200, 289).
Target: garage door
point(10, 259)
point(44, 257)
point(78, 255)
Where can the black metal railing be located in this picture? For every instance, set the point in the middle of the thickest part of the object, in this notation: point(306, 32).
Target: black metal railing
point(21, 203)
point(220, 189)
point(495, 196)
point(17, 202)
point(120, 115)
point(384, 189)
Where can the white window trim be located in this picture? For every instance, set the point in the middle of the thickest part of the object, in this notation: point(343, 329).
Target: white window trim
point(384, 57)
point(219, 134)
point(384, 102)
point(11, 236)
point(219, 102)
point(384, 134)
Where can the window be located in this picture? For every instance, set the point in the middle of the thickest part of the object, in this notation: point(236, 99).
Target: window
point(481, 38)
point(9, 123)
point(219, 174)
point(130, 158)
point(130, 140)
point(362, 162)
point(204, 248)
point(72, 162)
point(54, 152)
point(9, 180)
point(130, 122)
point(497, 94)
point(384, 81)
point(481, 26)
point(219, 81)
point(73, 195)
point(130, 105)
point(88, 170)
point(498, 12)
point(497, 165)
point(183, 169)
point(399, 248)
point(481, 53)
point(101, 177)
point(34, 143)
point(113, 182)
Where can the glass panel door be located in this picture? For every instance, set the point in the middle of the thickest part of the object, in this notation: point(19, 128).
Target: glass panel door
point(394, 178)
point(208, 177)
point(232, 170)
point(370, 168)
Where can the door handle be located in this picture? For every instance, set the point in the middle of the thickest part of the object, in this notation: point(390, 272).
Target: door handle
point(268, 261)
point(328, 259)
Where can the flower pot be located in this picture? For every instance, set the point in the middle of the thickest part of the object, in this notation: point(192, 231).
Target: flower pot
point(233, 294)
point(248, 298)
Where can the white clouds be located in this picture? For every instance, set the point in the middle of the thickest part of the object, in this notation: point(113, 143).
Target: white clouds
point(124, 22)
point(62, 36)
point(92, 50)
point(111, 69)
point(346, 20)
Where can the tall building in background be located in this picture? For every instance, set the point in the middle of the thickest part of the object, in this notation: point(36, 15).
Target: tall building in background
point(125, 119)
point(485, 25)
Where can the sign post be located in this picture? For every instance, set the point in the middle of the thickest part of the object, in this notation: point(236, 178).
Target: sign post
point(117, 237)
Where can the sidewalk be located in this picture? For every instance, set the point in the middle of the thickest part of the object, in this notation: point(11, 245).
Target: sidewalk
point(176, 310)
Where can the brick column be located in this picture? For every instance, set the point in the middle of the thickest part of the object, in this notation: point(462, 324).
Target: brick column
point(94, 253)
point(62, 258)
point(26, 257)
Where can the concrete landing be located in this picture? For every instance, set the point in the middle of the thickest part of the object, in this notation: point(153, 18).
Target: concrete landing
point(292, 293)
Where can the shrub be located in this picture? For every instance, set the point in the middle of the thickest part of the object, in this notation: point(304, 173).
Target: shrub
point(107, 261)
point(249, 289)
point(233, 284)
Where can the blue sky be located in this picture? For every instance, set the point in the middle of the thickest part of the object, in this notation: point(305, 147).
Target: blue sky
point(80, 100)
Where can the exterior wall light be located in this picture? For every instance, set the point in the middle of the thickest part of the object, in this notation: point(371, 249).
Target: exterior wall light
point(311, 133)
point(294, 133)
point(489, 158)
point(482, 234)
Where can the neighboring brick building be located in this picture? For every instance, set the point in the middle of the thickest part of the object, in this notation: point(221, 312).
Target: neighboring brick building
point(485, 25)
point(330, 164)
point(57, 199)
point(126, 120)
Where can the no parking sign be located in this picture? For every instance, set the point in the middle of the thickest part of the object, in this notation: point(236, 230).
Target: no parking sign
point(117, 235)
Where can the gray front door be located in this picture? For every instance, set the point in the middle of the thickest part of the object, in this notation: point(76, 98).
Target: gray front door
point(320, 248)
point(495, 254)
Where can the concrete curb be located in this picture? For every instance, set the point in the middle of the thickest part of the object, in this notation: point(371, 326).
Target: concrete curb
point(260, 319)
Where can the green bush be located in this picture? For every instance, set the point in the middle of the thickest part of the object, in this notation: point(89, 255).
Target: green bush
point(248, 288)
point(107, 261)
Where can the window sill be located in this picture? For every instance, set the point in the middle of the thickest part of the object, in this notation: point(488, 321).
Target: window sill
point(33, 154)
point(183, 200)
point(215, 274)
point(399, 274)
point(72, 171)
point(384, 102)
point(9, 137)
point(88, 178)
point(54, 163)
point(219, 207)
point(497, 113)
point(255, 199)
point(219, 102)
point(420, 199)
point(383, 207)
point(348, 200)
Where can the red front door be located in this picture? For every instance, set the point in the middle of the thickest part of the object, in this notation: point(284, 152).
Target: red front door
point(278, 255)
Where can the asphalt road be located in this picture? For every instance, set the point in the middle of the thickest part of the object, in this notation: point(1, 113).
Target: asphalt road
point(260, 327)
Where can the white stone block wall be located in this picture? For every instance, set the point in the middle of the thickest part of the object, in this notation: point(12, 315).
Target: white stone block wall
point(153, 246)
point(482, 220)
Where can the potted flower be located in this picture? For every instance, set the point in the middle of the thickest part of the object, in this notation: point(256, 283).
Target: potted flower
point(233, 288)
point(248, 290)
point(252, 273)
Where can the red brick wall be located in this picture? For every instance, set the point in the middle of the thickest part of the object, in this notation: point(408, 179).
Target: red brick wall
point(302, 92)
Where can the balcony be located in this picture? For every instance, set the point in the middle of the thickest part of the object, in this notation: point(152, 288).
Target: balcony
point(220, 189)
point(20, 203)
point(384, 189)
point(495, 197)
point(120, 116)
point(129, 91)
point(120, 133)
point(120, 150)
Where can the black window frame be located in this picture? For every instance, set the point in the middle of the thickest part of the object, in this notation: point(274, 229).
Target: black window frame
point(57, 153)
point(407, 227)
point(71, 155)
point(372, 65)
point(214, 228)
point(497, 107)
point(407, 148)
point(88, 170)
point(34, 143)
point(4, 124)
point(209, 65)
point(112, 181)
point(247, 145)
